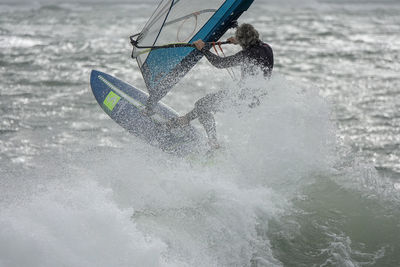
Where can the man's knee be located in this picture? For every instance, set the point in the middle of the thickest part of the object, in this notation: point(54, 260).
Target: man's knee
point(202, 104)
point(208, 103)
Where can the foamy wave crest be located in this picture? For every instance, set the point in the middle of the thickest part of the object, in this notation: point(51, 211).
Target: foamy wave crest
point(73, 226)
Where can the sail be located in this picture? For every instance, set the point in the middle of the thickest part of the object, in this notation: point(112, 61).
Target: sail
point(180, 21)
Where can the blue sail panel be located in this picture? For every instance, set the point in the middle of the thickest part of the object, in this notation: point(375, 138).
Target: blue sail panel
point(160, 63)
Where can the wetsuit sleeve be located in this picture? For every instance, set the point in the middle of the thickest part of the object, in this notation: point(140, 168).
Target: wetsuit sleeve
point(224, 62)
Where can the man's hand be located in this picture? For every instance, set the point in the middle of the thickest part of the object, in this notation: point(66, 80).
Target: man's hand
point(199, 44)
point(232, 40)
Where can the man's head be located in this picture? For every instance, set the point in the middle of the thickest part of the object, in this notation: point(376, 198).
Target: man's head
point(247, 36)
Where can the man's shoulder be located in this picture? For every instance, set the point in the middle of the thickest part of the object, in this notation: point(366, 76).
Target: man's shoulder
point(264, 44)
point(259, 47)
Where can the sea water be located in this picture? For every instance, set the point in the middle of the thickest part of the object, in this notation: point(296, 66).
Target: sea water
point(310, 177)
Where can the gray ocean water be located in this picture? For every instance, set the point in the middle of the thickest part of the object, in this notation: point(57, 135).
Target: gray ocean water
point(311, 177)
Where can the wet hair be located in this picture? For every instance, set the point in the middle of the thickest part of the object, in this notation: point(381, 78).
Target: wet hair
point(247, 36)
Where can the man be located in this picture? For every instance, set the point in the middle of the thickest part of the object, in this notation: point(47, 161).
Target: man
point(256, 56)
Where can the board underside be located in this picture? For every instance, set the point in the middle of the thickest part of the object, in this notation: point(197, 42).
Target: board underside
point(124, 104)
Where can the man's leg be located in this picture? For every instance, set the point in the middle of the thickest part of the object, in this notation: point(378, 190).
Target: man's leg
point(152, 100)
point(207, 120)
point(209, 103)
point(203, 110)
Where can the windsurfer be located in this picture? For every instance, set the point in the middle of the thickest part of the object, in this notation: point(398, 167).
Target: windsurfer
point(254, 56)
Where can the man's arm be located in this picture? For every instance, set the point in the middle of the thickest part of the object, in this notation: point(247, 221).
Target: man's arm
point(220, 62)
point(223, 62)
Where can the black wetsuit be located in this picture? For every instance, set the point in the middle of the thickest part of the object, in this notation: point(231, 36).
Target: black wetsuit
point(251, 60)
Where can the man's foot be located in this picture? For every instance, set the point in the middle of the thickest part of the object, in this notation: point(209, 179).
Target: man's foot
point(177, 122)
point(148, 112)
point(214, 145)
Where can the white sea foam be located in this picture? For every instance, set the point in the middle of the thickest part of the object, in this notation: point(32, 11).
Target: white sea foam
point(76, 225)
point(137, 206)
